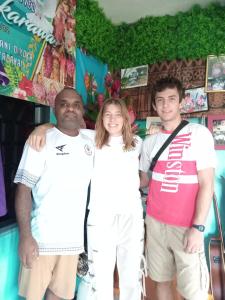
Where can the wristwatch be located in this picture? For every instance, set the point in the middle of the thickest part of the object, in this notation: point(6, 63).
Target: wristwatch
point(199, 227)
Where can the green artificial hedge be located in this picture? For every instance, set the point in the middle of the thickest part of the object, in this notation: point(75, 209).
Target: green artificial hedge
point(190, 35)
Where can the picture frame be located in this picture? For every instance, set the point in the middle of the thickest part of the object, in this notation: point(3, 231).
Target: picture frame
point(215, 73)
point(216, 124)
point(153, 124)
point(195, 100)
point(134, 77)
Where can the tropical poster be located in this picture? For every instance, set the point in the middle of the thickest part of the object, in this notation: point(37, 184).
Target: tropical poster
point(37, 48)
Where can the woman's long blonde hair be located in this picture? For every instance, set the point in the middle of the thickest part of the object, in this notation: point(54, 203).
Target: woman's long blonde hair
point(102, 135)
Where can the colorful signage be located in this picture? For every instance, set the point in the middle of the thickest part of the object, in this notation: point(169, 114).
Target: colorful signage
point(37, 48)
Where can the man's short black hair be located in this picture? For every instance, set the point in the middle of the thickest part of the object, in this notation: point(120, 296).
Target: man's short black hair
point(68, 88)
point(165, 83)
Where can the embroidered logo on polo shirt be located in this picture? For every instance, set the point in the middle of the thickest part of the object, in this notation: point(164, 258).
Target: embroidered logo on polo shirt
point(88, 149)
point(61, 149)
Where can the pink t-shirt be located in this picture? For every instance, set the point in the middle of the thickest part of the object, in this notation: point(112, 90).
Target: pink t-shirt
point(174, 183)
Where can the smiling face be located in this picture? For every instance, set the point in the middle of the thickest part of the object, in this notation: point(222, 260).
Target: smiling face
point(168, 105)
point(69, 111)
point(113, 120)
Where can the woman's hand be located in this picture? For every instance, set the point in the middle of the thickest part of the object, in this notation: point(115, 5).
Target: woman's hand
point(37, 138)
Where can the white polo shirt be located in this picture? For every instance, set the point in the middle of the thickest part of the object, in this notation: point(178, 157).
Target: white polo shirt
point(59, 176)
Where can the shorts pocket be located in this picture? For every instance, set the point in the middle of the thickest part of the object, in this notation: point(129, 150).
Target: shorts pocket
point(204, 274)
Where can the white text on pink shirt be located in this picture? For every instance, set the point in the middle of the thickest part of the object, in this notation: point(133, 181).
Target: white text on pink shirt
point(173, 170)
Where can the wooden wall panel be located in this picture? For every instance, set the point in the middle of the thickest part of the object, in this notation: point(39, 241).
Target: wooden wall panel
point(190, 72)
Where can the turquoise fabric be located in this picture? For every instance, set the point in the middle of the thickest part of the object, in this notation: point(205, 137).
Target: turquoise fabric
point(9, 263)
point(87, 63)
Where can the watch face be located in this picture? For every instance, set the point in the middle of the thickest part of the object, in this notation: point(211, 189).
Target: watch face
point(199, 227)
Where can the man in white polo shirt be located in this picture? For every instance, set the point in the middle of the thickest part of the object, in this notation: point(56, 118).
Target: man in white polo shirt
point(50, 204)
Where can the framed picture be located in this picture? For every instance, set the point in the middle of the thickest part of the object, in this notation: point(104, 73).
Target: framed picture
point(216, 124)
point(153, 124)
point(215, 73)
point(134, 77)
point(195, 100)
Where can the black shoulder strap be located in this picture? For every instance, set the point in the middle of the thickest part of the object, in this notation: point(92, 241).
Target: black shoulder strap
point(167, 142)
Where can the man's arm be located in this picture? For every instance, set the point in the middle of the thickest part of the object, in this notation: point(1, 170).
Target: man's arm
point(194, 239)
point(144, 179)
point(37, 138)
point(28, 248)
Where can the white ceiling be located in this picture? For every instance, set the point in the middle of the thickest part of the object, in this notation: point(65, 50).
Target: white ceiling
point(129, 11)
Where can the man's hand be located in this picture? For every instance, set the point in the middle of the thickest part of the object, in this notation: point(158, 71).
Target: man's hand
point(153, 129)
point(28, 251)
point(193, 241)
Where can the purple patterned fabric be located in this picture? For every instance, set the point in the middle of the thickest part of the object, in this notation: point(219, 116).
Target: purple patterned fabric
point(3, 209)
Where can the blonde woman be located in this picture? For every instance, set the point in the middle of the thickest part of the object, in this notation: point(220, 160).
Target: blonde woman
point(115, 222)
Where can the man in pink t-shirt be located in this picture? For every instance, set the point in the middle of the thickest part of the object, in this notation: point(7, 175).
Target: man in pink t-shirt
point(180, 194)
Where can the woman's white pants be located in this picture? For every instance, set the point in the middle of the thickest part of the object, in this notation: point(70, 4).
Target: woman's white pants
point(116, 240)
